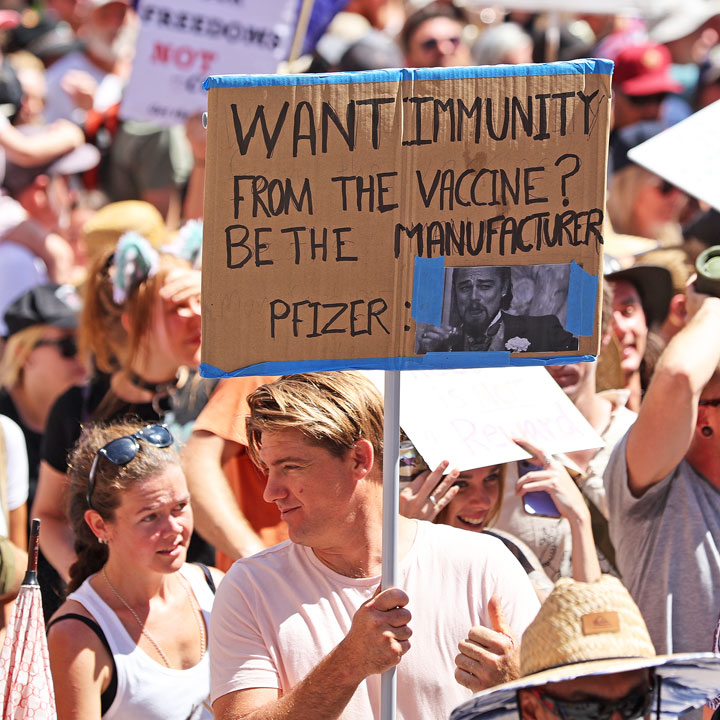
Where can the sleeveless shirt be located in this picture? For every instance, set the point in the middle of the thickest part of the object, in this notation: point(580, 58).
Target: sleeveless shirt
point(147, 690)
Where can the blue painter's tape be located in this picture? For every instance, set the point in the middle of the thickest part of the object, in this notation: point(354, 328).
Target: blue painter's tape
point(431, 361)
point(428, 285)
point(573, 67)
point(581, 302)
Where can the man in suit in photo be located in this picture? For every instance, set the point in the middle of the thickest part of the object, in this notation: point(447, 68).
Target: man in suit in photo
point(481, 298)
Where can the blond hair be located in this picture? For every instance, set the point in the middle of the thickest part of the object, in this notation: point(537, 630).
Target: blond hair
point(333, 410)
point(442, 517)
point(17, 348)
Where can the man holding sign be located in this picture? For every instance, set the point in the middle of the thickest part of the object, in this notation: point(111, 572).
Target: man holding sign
point(303, 629)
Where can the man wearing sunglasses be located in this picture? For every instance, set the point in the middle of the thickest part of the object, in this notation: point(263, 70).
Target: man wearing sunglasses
point(588, 656)
point(433, 37)
point(663, 488)
point(41, 361)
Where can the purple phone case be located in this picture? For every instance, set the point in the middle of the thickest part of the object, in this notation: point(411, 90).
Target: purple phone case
point(537, 502)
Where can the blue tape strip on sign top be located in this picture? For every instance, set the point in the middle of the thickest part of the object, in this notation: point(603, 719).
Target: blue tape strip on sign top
point(427, 294)
point(431, 361)
point(591, 66)
point(581, 302)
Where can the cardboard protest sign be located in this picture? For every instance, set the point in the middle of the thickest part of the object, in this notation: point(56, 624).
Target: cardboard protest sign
point(687, 155)
point(181, 42)
point(469, 417)
point(404, 219)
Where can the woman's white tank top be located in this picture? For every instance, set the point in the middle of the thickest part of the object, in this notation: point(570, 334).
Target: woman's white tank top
point(147, 690)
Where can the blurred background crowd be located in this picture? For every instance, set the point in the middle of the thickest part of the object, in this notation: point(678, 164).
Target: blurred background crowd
point(94, 330)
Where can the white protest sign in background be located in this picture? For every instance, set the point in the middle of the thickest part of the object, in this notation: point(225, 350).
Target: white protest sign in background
point(469, 417)
point(645, 8)
point(687, 155)
point(181, 42)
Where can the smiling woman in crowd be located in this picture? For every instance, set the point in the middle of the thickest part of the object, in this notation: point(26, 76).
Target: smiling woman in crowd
point(471, 500)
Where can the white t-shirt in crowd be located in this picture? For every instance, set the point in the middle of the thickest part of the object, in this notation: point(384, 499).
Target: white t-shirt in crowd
point(60, 105)
point(16, 468)
point(278, 613)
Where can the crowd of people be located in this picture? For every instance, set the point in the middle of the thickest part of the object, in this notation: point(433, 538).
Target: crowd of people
point(597, 608)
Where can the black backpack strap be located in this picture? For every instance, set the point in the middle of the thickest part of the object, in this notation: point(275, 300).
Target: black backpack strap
point(108, 696)
point(208, 576)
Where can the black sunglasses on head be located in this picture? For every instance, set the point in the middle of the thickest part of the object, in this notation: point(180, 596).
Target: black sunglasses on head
point(67, 346)
point(123, 449)
point(636, 704)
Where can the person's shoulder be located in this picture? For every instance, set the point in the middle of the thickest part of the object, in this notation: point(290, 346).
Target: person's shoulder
point(69, 404)
point(271, 558)
point(65, 626)
point(12, 431)
point(196, 571)
point(75, 60)
point(457, 541)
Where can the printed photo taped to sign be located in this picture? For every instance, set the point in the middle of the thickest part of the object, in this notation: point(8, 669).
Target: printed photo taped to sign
point(336, 205)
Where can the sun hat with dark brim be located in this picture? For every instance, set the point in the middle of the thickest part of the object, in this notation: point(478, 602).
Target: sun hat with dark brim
point(590, 629)
point(687, 680)
point(654, 284)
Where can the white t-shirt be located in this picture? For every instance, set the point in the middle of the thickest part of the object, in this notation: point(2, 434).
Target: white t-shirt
point(278, 613)
point(16, 468)
point(60, 105)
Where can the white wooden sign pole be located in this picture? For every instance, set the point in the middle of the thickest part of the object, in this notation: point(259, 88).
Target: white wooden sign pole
point(391, 508)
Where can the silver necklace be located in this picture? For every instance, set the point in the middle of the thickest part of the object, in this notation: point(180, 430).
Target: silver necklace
point(193, 604)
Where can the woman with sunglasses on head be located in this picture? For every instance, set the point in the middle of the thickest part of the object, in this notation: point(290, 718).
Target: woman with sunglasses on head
point(141, 324)
point(131, 639)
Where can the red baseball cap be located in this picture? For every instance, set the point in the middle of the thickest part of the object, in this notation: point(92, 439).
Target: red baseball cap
point(644, 70)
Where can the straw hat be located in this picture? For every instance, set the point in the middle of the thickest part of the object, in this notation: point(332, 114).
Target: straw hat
point(596, 628)
point(104, 228)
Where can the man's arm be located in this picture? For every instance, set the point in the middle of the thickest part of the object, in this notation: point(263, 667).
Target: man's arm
point(217, 516)
point(376, 642)
point(665, 426)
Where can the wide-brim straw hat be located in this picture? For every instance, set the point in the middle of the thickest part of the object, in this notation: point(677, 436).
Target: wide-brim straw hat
point(585, 629)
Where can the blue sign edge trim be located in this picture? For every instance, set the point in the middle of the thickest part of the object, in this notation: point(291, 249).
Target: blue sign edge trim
point(431, 361)
point(581, 302)
point(589, 66)
point(428, 288)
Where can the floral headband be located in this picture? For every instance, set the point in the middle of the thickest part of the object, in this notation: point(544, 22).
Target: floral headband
point(136, 260)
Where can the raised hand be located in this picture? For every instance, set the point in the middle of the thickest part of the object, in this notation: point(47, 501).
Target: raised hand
point(429, 493)
point(489, 656)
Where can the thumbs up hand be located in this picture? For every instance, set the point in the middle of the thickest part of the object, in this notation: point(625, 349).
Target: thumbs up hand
point(489, 656)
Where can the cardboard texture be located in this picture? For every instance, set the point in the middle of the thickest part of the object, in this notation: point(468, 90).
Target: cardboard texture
point(181, 42)
point(477, 413)
point(404, 218)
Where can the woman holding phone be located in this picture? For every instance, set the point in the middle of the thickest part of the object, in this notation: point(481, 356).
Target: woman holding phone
point(472, 500)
